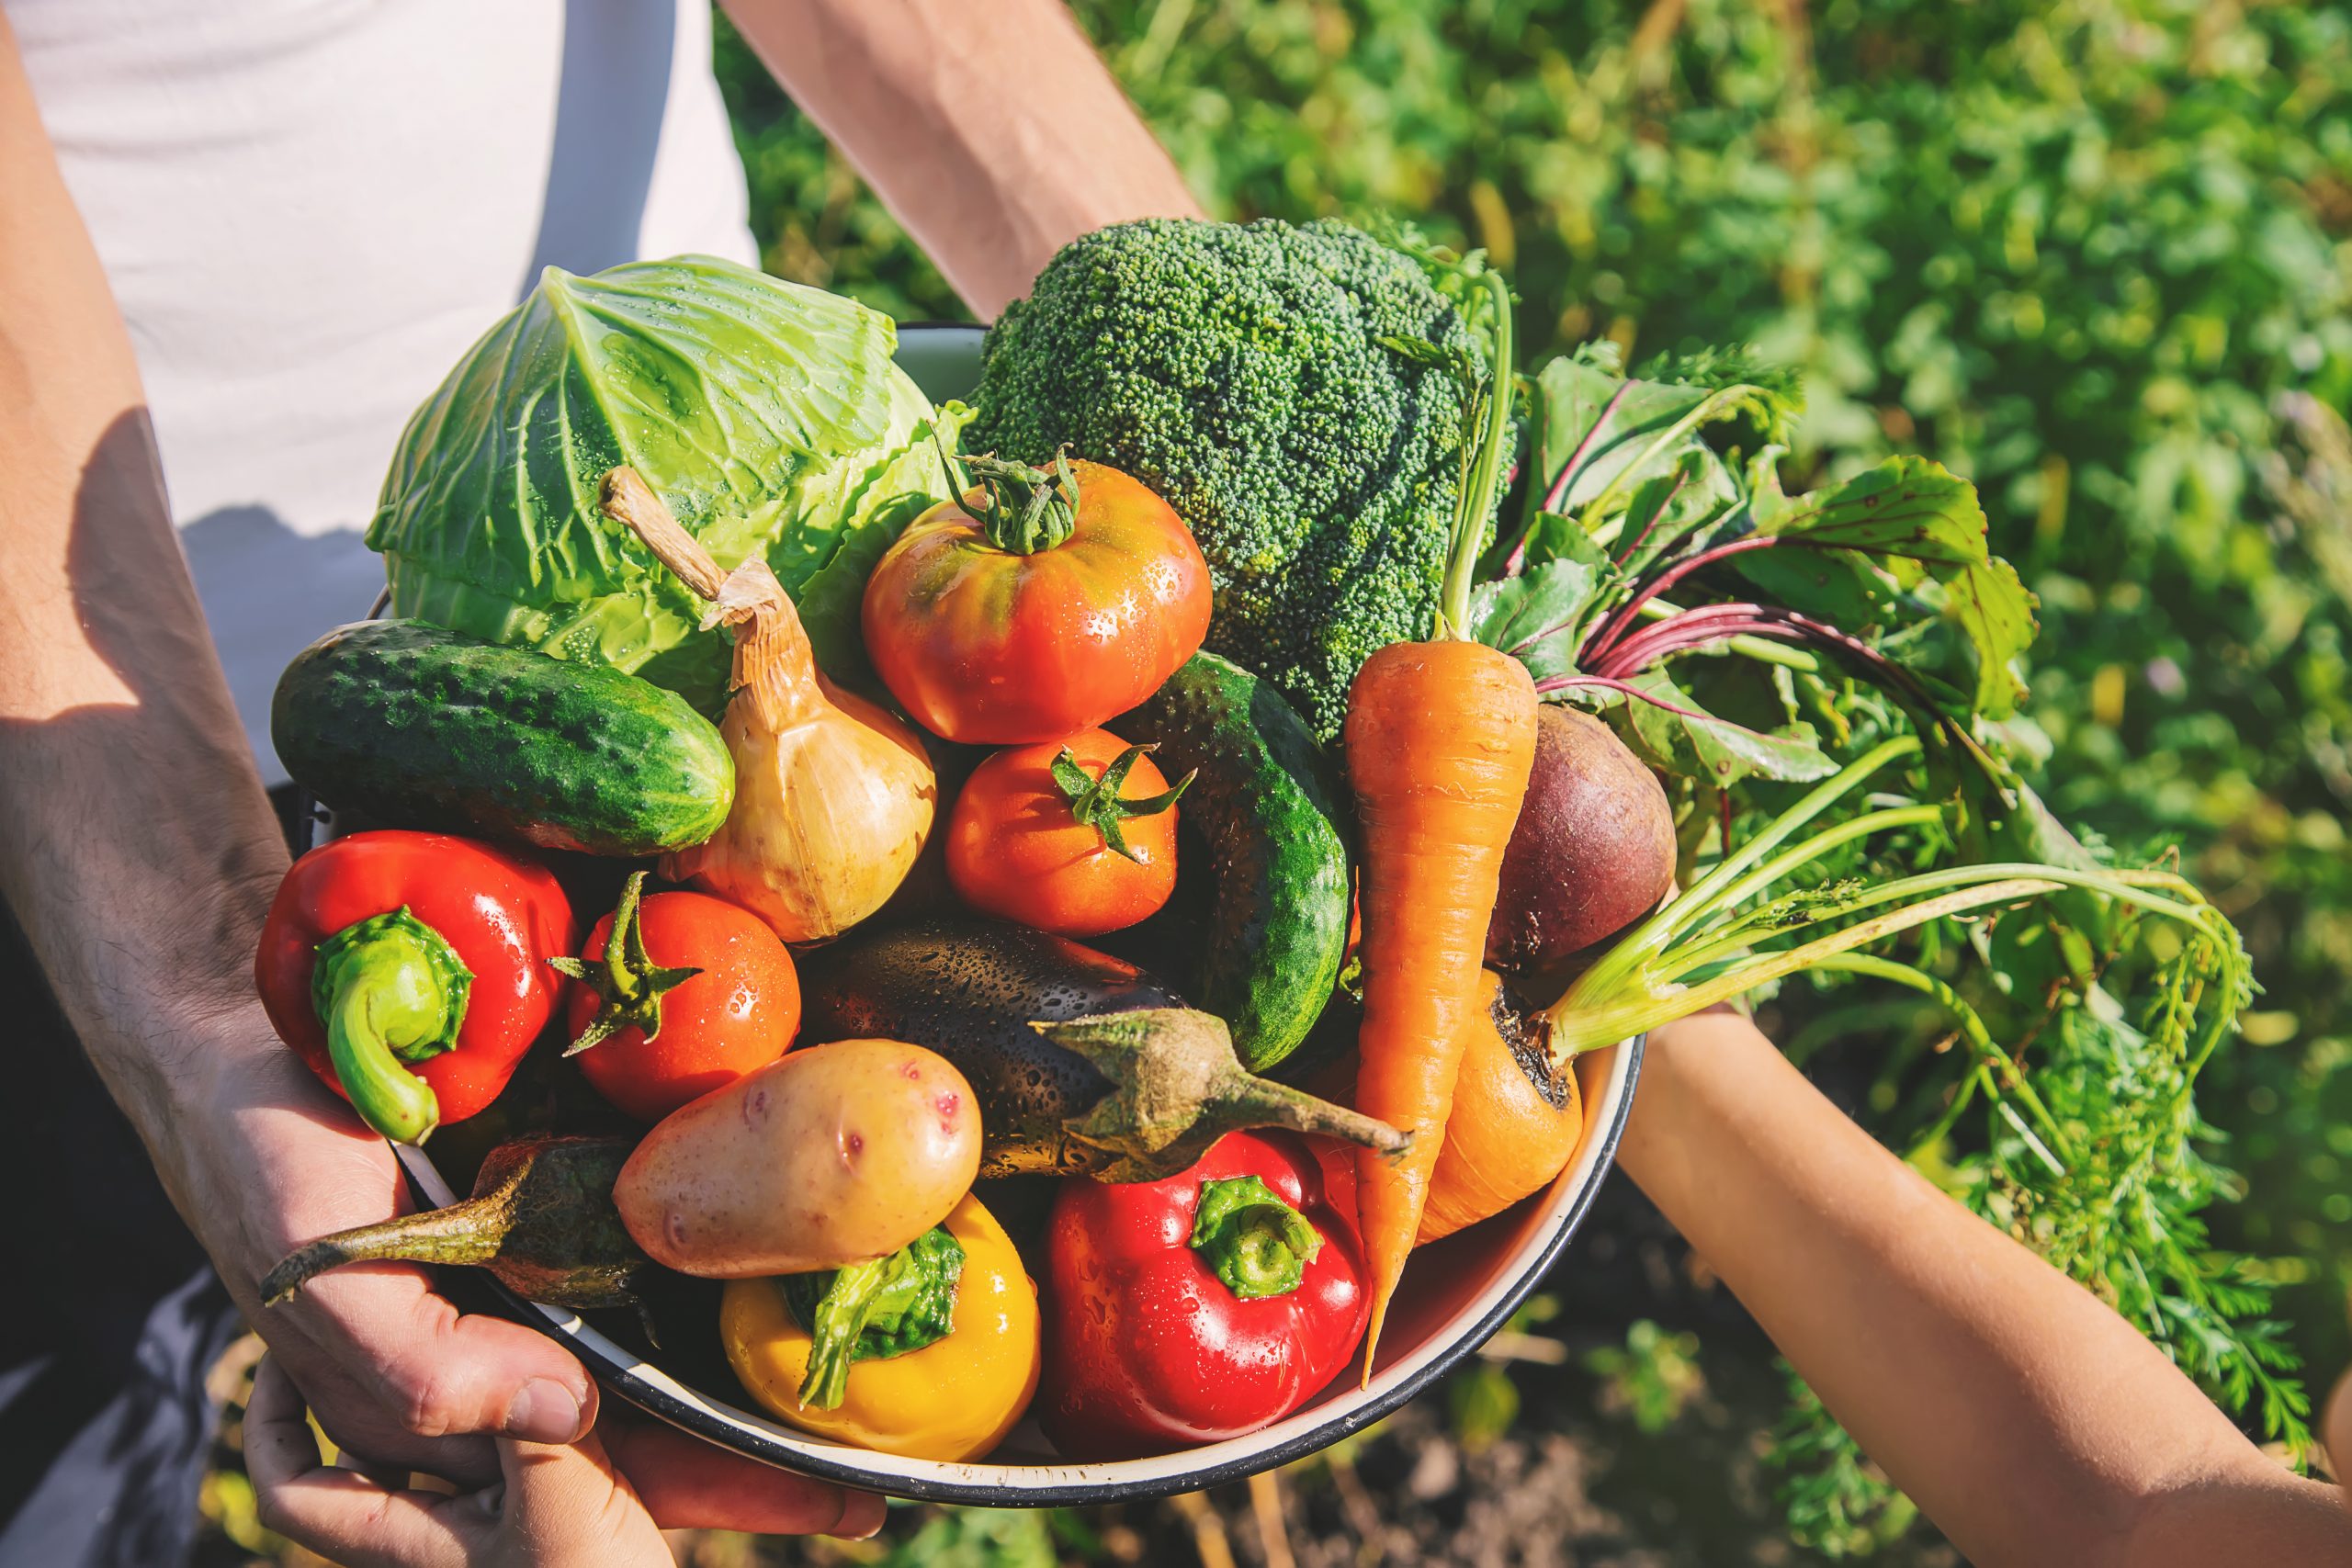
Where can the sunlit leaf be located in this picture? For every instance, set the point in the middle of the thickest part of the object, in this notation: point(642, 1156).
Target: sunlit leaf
point(1541, 616)
point(1919, 520)
point(1681, 737)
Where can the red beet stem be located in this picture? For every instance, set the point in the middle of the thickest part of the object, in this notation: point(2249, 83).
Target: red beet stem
point(1615, 628)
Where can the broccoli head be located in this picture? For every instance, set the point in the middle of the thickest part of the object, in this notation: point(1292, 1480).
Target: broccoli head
point(1240, 371)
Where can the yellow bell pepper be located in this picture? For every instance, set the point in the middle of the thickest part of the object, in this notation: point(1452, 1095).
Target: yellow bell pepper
point(954, 1399)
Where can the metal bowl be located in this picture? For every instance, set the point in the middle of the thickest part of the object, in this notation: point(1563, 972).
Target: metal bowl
point(1456, 1293)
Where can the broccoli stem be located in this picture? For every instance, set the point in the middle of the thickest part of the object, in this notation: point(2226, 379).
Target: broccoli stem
point(1482, 471)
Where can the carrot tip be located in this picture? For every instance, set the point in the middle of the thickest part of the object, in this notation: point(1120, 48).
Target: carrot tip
point(1372, 1339)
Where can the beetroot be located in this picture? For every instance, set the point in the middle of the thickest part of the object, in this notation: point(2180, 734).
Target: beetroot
point(1593, 851)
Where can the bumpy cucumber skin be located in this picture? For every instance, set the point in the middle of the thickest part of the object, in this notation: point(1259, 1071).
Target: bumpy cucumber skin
point(417, 727)
point(1269, 806)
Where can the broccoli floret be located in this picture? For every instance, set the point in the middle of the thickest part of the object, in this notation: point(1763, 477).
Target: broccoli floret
point(1239, 370)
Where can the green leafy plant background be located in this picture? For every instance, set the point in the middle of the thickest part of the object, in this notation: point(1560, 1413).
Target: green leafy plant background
point(2096, 255)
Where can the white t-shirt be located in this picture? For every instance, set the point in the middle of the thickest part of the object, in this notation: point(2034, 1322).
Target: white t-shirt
point(310, 208)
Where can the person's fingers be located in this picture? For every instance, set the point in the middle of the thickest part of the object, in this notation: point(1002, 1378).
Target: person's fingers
point(278, 1442)
point(686, 1484)
point(569, 1505)
point(438, 1374)
point(2335, 1431)
point(339, 1514)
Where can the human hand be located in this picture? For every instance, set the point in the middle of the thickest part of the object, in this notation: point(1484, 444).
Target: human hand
point(2335, 1432)
point(553, 1504)
point(562, 1506)
point(263, 1158)
point(271, 1159)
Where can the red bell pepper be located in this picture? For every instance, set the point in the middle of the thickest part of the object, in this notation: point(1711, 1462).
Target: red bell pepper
point(1202, 1305)
point(410, 970)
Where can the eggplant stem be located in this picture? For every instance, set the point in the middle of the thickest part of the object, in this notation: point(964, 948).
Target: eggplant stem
point(1250, 1102)
point(1174, 1086)
point(471, 1232)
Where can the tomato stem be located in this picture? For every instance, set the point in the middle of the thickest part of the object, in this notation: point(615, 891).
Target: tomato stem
point(1096, 803)
point(628, 981)
point(1024, 509)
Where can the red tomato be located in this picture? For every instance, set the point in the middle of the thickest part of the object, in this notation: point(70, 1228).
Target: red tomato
point(739, 1013)
point(996, 623)
point(1020, 846)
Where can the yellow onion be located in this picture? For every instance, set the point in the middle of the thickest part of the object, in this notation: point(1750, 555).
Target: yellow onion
point(833, 796)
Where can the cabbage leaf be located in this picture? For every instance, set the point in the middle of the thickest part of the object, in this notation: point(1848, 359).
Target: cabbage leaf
point(770, 416)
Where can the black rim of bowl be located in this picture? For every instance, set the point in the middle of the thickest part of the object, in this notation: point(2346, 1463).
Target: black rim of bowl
point(624, 1380)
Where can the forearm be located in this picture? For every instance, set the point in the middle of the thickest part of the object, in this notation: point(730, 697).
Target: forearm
point(2032, 1424)
point(990, 129)
point(136, 847)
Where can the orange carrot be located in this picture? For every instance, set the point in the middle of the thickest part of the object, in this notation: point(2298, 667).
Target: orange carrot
point(1440, 739)
point(1517, 1119)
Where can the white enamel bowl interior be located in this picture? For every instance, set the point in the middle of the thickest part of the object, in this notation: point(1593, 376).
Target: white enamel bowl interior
point(1456, 1293)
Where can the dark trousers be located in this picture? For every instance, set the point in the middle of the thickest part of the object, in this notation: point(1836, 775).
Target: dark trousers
point(109, 1315)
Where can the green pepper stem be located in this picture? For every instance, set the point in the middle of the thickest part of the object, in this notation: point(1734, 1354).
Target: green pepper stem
point(391, 991)
point(1253, 1241)
point(841, 1317)
point(630, 986)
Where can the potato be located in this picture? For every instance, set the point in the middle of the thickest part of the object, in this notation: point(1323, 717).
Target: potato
point(831, 1156)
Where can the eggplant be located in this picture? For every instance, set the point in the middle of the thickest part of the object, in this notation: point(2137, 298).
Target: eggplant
point(1081, 1062)
point(541, 1219)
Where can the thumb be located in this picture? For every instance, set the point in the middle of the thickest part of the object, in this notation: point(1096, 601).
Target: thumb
point(438, 1372)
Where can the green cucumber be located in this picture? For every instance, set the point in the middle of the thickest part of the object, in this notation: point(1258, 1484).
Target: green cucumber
point(1272, 815)
point(415, 726)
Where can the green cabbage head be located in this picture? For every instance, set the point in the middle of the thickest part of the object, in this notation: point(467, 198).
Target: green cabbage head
point(770, 416)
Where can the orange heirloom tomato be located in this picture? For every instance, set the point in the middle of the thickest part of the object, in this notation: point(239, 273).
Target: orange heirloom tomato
point(1076, 837)
point(1020, 613)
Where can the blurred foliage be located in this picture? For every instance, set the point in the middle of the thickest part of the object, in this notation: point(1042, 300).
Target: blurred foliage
point(1651, 1378)
point(978, 1537)
point(2096, 255)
